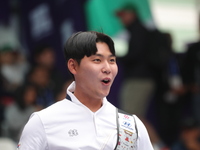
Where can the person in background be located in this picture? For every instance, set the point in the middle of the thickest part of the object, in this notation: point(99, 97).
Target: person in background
point(142, 66)
point(18, 113)
point(85, 119)
point(44, 55)
point(13, 68)
point(189, 136)
point(191, 78)
point(40, 76)
point(169, 104)
point(138, 83)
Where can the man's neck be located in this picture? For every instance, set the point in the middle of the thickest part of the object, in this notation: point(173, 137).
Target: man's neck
point(90, 102)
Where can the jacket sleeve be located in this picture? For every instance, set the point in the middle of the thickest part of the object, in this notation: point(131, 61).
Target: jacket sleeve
point(33, 136)
point(143, 142)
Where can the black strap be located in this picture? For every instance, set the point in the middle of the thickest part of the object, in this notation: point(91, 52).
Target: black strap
point(68, 97)
point(117, 120)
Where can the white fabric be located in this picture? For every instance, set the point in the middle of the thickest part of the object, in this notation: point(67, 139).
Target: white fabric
point(70, 125)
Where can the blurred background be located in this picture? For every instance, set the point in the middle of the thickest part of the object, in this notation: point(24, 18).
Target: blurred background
point(33, 72)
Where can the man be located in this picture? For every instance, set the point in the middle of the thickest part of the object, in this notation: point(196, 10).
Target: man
point(45, 55)
point(142, 67)
point(191, 76)
point(85, 119)
point(138, 84)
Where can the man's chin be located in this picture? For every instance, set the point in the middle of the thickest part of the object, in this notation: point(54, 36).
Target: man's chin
point(106, 94)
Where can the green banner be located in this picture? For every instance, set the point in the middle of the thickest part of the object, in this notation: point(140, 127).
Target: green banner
point(100, 14)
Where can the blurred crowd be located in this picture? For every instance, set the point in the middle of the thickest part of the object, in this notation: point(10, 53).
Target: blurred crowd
point(160, 86)
point(27, 87)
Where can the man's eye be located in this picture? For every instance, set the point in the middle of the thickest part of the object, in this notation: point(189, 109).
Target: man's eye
point(96, 60)
point(112, 60)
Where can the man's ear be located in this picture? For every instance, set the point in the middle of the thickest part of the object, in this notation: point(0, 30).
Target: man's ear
point(72, 66)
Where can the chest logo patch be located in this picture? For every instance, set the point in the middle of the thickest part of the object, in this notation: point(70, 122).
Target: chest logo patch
point(73, 132)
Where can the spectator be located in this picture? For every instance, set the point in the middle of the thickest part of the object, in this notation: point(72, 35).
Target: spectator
point(13, 68)
point(138, 84)
point(40, 76)
point(168, 105)
point(145, 62)
point(45, 55)
point(18, 113)
point(191, 77)
point(189, 137)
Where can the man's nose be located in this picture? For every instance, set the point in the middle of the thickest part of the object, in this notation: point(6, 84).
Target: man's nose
point(106, 68)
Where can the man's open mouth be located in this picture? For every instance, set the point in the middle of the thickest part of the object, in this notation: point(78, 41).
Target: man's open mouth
point(106, 81)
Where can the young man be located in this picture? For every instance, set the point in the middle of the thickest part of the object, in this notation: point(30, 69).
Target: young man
point(85, 120)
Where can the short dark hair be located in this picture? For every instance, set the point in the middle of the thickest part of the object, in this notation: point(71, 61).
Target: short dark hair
point(82, 44)
point(130, 7)
point(21, 91)
point(40, 48)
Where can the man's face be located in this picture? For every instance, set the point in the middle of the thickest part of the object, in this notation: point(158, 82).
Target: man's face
point(96, 73)
point(127, 17)
point(47, 58)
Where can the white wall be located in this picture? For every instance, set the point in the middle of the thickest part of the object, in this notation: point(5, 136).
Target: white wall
point(178, 17)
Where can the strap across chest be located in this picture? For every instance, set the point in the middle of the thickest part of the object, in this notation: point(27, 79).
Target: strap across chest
point(126, 130)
